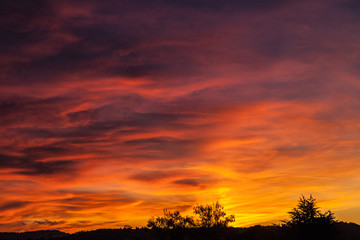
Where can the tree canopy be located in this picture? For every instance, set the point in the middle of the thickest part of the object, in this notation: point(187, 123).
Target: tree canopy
point(212, 215)
point(208, 216)
point(171, 220)
point(307, 213)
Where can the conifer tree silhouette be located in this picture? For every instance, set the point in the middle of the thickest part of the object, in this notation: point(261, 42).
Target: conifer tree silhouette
point(307, 213)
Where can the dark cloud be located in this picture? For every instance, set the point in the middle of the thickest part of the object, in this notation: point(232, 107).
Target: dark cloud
point(13, 205)
point(211, 100)
point(158, 140)
point(57, 150)
point(161, 118)
point(17, 225)
point(89, 55)
point(150, 176)
point(30, 110)
point(98, 123)
point(90, 131)
point(89, 200)
point(84, 224)
point(199, 181)
point(56, 168)
point(300, 90)
point(118, 48)
point(294, 151)
point(244, 5)
point(19, 184)
point(27, 165)
point(352, 5)
point(206, 5)
point(115, 7)
point(26, 9)
point(138, 70)
point(104, 113)
point(188, 181)
point(166, 147)
point(46, 150)
point(124, 113)
point(48, 223)
point(17, 20)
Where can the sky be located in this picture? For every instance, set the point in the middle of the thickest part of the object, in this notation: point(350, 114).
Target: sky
point(111, 111)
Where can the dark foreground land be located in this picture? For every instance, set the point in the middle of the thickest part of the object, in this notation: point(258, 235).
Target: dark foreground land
point(341, 231)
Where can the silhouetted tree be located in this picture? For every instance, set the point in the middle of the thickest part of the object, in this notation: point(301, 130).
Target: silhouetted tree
point(127, 226)
point(307, 221)
point(307, 213)
point(171, 220)
point(212, 216)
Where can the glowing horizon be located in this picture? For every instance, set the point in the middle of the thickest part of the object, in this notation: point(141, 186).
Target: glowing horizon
point(113, 110)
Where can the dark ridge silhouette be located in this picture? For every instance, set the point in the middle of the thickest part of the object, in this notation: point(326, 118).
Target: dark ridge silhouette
point(43, 234)
point(211, 223)
point(345, 231)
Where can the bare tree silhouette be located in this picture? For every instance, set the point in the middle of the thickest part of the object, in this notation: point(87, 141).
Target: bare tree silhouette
point(212, 216)
point(171, 220)
point(209, 216)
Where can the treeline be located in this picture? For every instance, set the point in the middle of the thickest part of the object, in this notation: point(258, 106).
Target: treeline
point(343, 231)
point(210, 222)
point(306, 221)
point(306, 214)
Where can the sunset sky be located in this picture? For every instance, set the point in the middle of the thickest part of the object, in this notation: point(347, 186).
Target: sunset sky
point(111, 110)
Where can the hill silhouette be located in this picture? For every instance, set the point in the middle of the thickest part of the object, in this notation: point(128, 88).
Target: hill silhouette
point(344, 231)
point(42, 234)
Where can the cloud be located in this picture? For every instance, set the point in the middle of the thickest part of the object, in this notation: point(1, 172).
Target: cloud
point(89, 200)
point(92, 45)
point(168, 146)
point(18, 183)
point(13, 205)
point(190, 182)
point(215, 5)
point(46, 111)
point(47, 223)
point(27, 165)
point(151, 176)
point(351, 5)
